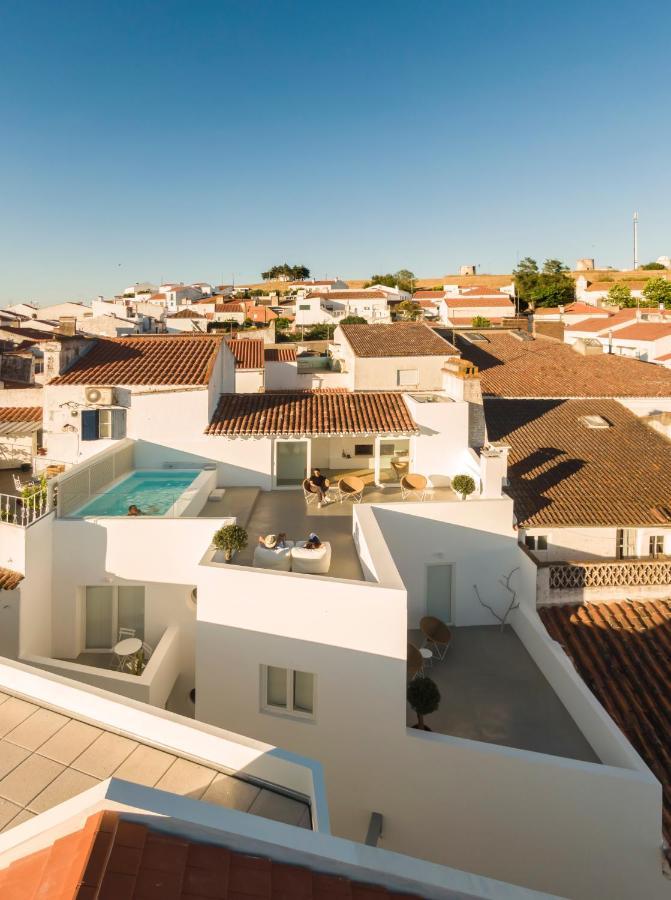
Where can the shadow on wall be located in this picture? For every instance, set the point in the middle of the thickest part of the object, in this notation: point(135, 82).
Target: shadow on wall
point(478, 557)
point(229, 474)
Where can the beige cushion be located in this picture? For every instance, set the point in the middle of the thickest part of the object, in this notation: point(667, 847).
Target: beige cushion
point(279, 558)
point(311, 562)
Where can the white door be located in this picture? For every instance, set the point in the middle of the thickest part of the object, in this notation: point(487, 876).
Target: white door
point(439, 591)
point(291, 463)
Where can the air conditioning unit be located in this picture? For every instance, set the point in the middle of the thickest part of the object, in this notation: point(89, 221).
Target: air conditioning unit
point(99, 396)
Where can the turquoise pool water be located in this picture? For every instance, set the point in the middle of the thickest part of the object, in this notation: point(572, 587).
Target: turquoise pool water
point(152, 492)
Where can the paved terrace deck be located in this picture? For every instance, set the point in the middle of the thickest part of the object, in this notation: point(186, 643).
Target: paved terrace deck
point(47, 757)
point(271, 512)
point(492, 691)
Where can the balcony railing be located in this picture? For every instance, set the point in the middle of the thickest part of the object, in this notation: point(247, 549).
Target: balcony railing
point(613, 573)
point(23, 511)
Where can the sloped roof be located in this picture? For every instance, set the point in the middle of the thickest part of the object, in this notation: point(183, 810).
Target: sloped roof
point(312, 412)
point(510, 367)
point(644, 331)
point(396, 339)
point(281, 354)
point(186, 314)
point(460, 302)
point(562, 472)
point(349, 295)
point(248, 352)
point(622, 651)
point(146, 360)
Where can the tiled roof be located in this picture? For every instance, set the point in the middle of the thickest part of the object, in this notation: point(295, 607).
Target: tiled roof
point(32, 334)
point(248, 352)
point(459, 320)
point(20, 414)
point(9, 579)
point(622, 651)
point(349, 295)
point(118, 859)
point(467, 302)
point(281, 354)
point(476, 291)
point(150, 360)
point(228, 307)
point(186, 314)
point(594, 324)
point(428, 295)
point(562, 472)
point(314, 412)
point(573, 309)
point(544, 367)
point(633, 284)
point(644, 331)
point(397, 339)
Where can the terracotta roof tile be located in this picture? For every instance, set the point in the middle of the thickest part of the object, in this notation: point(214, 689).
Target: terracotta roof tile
point(229, 308)
point(20, 414)
point(634, 284)
point(186, 314)
point(428, 295)
point(281, 354)
point(248, 352)
point(397, 339)
point(313, 412)
point(32, 334)
point(147, 360)
point(622, 651)
point(548, 368)
point(9, 579)
point(562, 472)
point(644, 331)
point(462, 302)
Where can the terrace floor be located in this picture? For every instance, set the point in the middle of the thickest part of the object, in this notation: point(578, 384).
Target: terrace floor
point(492, 691)
point(47, 757)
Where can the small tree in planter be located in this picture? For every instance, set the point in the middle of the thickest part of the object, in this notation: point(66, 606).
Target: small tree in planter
point(424, 697)
point(463, 485)
point(230, 539)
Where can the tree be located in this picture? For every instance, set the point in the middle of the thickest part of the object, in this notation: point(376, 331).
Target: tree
point(551, 287)
point(653, 265)
point(230, 538)
point(388, 280)
point(320, 333)
point(405, 280)
point(525, 276)
point(352, 320)
point(282, 323)
point(620, 295)
point(295, 273)
point(481, 322)
point(409, 309)
point(424, 697)
point(658, 291)
point(464, 485)
point(554, 267)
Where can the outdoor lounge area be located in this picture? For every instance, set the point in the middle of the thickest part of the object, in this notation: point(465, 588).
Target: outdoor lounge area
point(492, 691)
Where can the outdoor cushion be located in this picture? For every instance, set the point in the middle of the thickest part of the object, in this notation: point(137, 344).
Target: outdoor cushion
point(278, 558)
point(311, 562)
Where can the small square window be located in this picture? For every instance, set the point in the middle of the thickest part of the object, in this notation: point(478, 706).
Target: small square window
point(530, 542)
point(542, 542)
point(656, 545)
point(276, 687)
point(288, 690)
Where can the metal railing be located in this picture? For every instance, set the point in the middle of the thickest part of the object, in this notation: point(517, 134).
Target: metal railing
point(24, 511)
point(613, 573)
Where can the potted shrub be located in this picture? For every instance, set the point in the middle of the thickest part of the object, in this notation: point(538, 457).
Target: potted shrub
point(230, 539)
point(424, 697)
point(463, 485)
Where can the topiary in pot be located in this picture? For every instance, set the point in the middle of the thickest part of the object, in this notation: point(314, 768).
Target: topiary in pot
point(424, 697)
point(230, 539)
point(463, 485)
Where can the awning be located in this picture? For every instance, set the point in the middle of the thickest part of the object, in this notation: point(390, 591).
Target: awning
point(18, 429)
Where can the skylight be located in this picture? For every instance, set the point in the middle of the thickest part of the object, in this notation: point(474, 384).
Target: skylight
point(595, 421)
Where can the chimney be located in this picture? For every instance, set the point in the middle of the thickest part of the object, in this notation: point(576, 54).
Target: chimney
point(67, 326)
point(456, 373)
point(493, 470)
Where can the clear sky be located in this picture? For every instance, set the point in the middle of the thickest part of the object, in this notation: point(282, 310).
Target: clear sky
point(193, 140)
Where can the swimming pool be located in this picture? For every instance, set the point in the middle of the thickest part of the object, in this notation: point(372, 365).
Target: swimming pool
point(153, 492)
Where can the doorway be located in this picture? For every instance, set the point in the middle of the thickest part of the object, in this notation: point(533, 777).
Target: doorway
point(291, 463)
point(439, 591)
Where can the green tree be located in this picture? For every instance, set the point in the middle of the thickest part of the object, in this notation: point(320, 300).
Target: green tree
point(405, 280)
point(387, 280)
point(653, 265)
point(658, 291)
point(525, 277)
point(424, 697)
point(409, 309)
point(296, 273)
point(281, 323)
point(554, 267)
point(620, 295)
point(352, 320)
point(481, 322)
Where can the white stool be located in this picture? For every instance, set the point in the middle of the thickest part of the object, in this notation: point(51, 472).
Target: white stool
point(427, 656)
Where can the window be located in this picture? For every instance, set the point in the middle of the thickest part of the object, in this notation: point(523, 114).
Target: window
point(304, 306)
point(626, 543)
point(656, 545)
point(536, 541)
point(407, 377)
point(288, 690)
point(107, 608)
point(101, 424)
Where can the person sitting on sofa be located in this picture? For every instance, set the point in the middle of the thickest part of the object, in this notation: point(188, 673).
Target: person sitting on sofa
point(313, 542)
point(320, 484)
point(271, 541)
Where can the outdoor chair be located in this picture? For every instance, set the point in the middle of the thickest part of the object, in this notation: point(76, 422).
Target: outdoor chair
point(125, 633)
point(415, 664)
point(400, 467)
point(310, 492)
point(18, 484)
point(351, 487)
point(437, 635)
point(278, 558)
point(413, 485)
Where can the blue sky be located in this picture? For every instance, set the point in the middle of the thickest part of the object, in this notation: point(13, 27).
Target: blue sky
point(194, 140)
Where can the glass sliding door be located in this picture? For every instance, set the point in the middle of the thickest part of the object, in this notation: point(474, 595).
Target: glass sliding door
point(99, 617)
point(130, 608)
point(291, 462)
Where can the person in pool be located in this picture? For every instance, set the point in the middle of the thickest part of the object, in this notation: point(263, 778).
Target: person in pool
point(134, 510)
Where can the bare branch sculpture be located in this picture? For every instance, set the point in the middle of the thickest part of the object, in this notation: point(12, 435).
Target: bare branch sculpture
point(514, 602)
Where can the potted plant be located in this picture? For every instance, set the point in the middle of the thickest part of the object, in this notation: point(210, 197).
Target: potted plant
point(230, 539)
point(463, 485)
point(424, 697)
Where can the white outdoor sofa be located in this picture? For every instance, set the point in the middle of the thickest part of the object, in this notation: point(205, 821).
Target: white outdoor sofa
point(279, 558)
point(311, 562)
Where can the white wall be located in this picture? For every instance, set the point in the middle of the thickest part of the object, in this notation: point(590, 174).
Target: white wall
point(281, 375)
point(573, 544)
point(440, 451)
point(248, 381)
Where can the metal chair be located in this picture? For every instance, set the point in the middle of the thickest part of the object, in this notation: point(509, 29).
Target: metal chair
point(310, 493)
point(18, 484)
point(415, 664)
point(351, 487)
point(413, 484)
point(437, 635)
point(125, 633)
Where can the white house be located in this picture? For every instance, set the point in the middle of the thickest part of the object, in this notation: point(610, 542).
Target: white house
point(460, 308)
point(329, 307)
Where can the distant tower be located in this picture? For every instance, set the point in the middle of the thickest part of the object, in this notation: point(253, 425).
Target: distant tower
point(635, 240)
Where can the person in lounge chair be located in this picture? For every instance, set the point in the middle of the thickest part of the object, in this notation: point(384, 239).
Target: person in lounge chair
point(271, 541)
point(134, 510)
point(313, 542)
point(320, 484)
